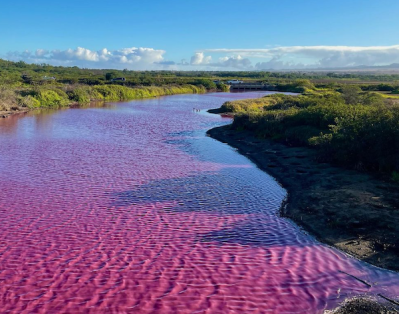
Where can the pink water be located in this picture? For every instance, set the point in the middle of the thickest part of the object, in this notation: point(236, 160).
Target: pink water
point(130, 208)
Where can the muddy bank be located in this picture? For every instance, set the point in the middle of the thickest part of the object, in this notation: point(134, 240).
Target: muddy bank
point(6, 114)
point(364, 306)
point(352, 211)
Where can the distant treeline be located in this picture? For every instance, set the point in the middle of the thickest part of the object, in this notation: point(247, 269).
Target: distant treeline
point(23, 74)
point(14, 72)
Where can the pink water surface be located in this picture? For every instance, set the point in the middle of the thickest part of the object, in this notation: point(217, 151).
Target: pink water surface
point(130, 208)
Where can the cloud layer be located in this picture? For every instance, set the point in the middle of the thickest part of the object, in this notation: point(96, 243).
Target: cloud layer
point(292, 57)
point(318, 56)
point(232, 62)
point(137, 58)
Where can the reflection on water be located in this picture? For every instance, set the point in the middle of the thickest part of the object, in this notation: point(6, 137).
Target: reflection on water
point(130, 208)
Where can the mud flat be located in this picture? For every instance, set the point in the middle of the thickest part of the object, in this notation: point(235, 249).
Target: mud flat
point(352, 211)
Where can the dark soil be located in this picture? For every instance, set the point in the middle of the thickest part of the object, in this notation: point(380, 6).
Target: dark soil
point(352, 211)
point(363, 306)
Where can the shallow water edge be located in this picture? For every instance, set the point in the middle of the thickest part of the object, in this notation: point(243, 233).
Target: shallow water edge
point(319, 191)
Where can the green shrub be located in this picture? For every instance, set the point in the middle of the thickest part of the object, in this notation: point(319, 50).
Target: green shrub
point(80, 95)
point(351, 94)
point(364, 136)
point(370, 99)
point(208, 84)
point(117, 92)
point(51, 98)
point(301, 135)
point(395, 176)
point(29, 102)
point(222, 87)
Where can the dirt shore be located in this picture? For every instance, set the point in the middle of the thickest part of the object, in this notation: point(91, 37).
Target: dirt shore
point(352, 211)
point(363, 306)
point(6, 114)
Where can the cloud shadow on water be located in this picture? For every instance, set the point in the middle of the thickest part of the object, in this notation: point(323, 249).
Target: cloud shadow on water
point(258, 224)
point(205, 192)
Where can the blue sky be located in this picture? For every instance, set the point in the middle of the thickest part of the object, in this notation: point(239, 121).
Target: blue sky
point(177, 34)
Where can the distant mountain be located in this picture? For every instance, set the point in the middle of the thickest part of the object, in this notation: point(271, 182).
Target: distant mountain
point(390, 68)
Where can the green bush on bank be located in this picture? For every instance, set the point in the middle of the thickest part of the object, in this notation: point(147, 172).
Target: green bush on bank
point(281, 101)
point(222, 87)
point(364, 135)
point(51, 96)
point(58, 96)
point(13, 99)
point(117, 92)
point(83, 94)
point(8, 98)
point(29, 102)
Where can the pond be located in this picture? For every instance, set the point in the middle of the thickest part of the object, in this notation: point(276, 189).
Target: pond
point(130, 208)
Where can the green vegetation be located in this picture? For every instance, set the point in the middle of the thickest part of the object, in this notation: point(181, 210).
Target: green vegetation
point(350, 118)
point(48, 96)
point(26, 86)
point(350, 127)
point(12, 73)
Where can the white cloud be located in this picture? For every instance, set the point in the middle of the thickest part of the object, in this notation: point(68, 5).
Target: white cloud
point(223, 63)
point(277, 63)
point(40, 53)
point(319, 56)
point(133, 58)
point(200, 58)
point(134, 55)
point(235, 62)
point(291, 57)
point(77, 54)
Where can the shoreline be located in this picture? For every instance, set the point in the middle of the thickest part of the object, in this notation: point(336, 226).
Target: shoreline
point(352, 211)
point(136, 93)
point(6, 114)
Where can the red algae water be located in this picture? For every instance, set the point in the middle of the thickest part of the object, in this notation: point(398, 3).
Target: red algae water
point(131, 208)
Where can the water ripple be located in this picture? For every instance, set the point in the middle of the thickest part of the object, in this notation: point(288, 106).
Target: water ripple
point(132, 209)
